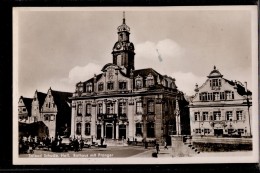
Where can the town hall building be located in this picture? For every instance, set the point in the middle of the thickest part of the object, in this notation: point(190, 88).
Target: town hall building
point(127, 103)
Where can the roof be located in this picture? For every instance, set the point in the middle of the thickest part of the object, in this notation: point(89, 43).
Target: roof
point(240, 88)
point(61, 99)
point(146, 72)
point(215, 73)
point(28, 104)
point(41, 97)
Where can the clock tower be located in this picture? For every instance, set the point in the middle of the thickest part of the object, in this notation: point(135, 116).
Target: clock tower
point(123, 50)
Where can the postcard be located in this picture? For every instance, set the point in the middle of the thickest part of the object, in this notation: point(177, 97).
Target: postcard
point(135, 85)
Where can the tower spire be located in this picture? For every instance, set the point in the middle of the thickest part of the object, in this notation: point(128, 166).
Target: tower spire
point(123, 17)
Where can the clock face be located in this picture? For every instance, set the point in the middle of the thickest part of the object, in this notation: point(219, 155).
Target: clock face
point(118, 45)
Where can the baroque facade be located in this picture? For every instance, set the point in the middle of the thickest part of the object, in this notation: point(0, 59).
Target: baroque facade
point(124, 103)
point(221, 107)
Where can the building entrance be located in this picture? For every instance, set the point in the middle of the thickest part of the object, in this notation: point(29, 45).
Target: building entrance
point(122, 131)
point(109, 131)
point(98, 131)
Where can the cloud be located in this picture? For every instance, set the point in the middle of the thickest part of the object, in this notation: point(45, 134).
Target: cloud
point(164, 61)
point(186, 82)
point(77, 74)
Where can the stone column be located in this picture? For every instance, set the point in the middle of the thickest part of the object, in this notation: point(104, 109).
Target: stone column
point(73, 117)
point(117, 131)
point(93, 120)
point(102, 129)
point(83, 127)
point(113, 128)
point(127, 131)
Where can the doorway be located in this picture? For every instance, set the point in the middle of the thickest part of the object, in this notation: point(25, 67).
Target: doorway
point(109, 130)
point(122, 131)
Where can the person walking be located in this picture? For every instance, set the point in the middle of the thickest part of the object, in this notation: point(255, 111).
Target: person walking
point(157, 148)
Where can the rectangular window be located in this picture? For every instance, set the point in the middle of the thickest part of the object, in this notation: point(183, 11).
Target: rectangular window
point(229, 95)
point(240, 131)
point(239, 115)
point(79, 109)
point(88, 109)
point(138, 129)
point(216, 96)
point(197, 116)
point(214, 82)
point(229, 115)
point(122, 85)
point(24, 109)
point(78, 128)
point(206, 131)
point(217, 115)
point(122, 108)
point(198, 131)
point(100, 108)
point(222, 96)
point(139, 108)
point(205, 116)
point(110, 86)
point(87, 129)
point(46, 117)
point(210, 96)
point(110, 108)
point(150, 107)
point(100, 87)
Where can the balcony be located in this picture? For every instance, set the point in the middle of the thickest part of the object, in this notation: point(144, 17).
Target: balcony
point(122, 117)
point(138, 118)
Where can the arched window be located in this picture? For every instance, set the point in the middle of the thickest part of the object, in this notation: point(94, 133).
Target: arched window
point(89, 87)
point(138, 82)
point(150, 107)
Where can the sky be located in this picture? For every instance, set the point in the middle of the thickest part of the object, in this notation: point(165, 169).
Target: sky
point(58, 48)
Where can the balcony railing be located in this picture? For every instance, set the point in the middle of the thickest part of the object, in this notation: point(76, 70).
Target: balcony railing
point(138, 117)
point(150, 118)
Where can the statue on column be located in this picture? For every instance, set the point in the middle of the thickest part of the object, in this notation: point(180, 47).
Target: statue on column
point(177, 116)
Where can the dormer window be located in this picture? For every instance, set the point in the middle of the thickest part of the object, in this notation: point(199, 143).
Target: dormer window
point(89, 87)
point(110, 86)
point(150, 80)
point(80, 87)
point(100, 87)
point(138, 82)
point(122, 85)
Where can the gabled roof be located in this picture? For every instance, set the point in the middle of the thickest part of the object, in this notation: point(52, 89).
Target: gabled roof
point(41, 97)
point(28, 104)
point(240, 88)
point(61, 99)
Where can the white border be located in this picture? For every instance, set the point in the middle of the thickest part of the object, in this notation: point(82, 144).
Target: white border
point(93, 161)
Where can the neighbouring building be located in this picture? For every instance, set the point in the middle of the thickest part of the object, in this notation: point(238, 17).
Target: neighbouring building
point(24, 109)
point(56, 113)
point(37, 104)
point(221, 107)
point(127, 103)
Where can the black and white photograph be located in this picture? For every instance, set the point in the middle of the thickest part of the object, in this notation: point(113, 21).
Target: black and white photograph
point(135, 85)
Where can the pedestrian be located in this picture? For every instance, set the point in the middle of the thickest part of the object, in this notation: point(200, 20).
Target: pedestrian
point(157, 148)
point(165, 145)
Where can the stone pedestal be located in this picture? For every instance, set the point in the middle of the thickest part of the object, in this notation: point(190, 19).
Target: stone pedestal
point(177, 146)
